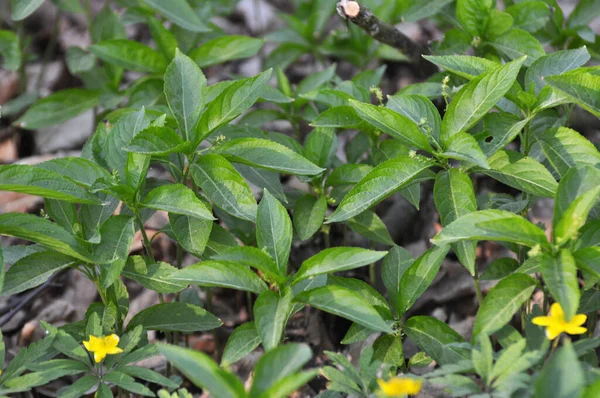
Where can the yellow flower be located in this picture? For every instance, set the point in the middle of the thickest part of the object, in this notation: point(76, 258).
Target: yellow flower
point(555, 322)
point(102, 346)
point(400, 386)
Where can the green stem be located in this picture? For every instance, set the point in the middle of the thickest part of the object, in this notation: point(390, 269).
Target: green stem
point(145, 240)
point(22, 74)
point(478, 289)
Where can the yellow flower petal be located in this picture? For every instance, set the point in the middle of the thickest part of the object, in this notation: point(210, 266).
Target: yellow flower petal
point(99, 356)
point(578, 320)
point(572, 329)
point(399, 386)
point(557, 312)
point(111, 341)
point(542, 320)
point(554, 331)
point(113, 350)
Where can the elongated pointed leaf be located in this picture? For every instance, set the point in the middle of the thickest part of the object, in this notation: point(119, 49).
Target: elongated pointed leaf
point(463, 146)
point(180, 13)
point(156, 276)
point(554, 64)
point(35, 181)
point(274, 231)
point(156, 141)
point(277, 365)
point(395, 264)
point(502, 302)
point(242, 342)
point(435, 338)
point(560, 275)
point(228, 105)
point(192, 233)
point(463, 65)
point(343, 302)
point(381, 182)
point(224, 186)
point(575, 216)
point(116, 237)
point(565, 148)
point(44, 232)
point(21, 9)
point(582, 88)
point(58, 108)
point(131, 55)
point(180, 317)
point(185, 89)
point(201, 370)
point(419, 276)
point(271, 313)
point(225, 48)
point(562, 376)
point(521, 172)
point(496, 225)
point(266, 154)
point(369, 225)
point(309, 213)
point(477, 97)
point(516, 44)
point(337, 259)
point(222, 274)
point(177, 199)
point(393, 123)
point(454, 197)
point(421, 111)
point(33, 270)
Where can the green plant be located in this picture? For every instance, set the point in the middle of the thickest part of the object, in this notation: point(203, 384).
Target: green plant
point(502, 114)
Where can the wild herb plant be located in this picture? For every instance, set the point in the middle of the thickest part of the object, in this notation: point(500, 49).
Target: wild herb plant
point(502, 113)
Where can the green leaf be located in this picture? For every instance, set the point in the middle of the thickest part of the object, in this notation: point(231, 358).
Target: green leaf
point(385, 179)
point(10, 50)
point(369, 225)
point(393, 123)
point(562, 376)
point(582, 88)
point(193, 234)
point(271, 313)
point(473, 15)
point(484, 357)
point(309, 213)
point(155, 140)
point(62, 213)
point(337, 259)
point(395, 264)
point(463, 146)
point(498, 24)
point(388, 349)
point(242, 342)
point(346, 303)
point(274, 231)
point(175, 317)
point(585, 11)
point(185, 89)
point(165, 40)
point(588, 261)
point(421, 111)
point(289, 384)
point(454, 197)
point(436, 338)
point(224, 186)
point(340, 116)
point(58, 108)
point(177, 199)
point(266, 154)
point(320, 146)
point(463, 65)
point(565, 148)
point(44, 232)
point(276, 365)
point(347, 174)
point(155, 276)
point(521, 172)
point(33, 270)
point(554, 64)
point(130, 55)
point(502, 128)
point(499, 269)
point(502, 302)
point(417, 278)
point(222, 274)
point(21, 9)
point(128, 383)
point(225, 48)
point(80, 387)
point(46, 183)
point(517, 43)
point(116, 236)
point(263, 179)
point(252, 257)
point(180, 13)
point(82, 171)
point(576, 183)
point(201, 370)
point(530, 15)
point(148, 375)
point(495, 225)
point(229, 104)
point(575, 216)
point(477, 97)
point(560, 275)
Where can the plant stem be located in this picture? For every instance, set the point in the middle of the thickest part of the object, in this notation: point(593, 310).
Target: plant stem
point(145, 240)
point(49, 50)
point(478, 289)
point(22, 73)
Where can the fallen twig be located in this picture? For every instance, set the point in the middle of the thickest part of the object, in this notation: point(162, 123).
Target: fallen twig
point(386, 34)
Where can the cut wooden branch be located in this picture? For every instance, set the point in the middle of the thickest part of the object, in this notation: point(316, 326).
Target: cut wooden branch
point(386, 34)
